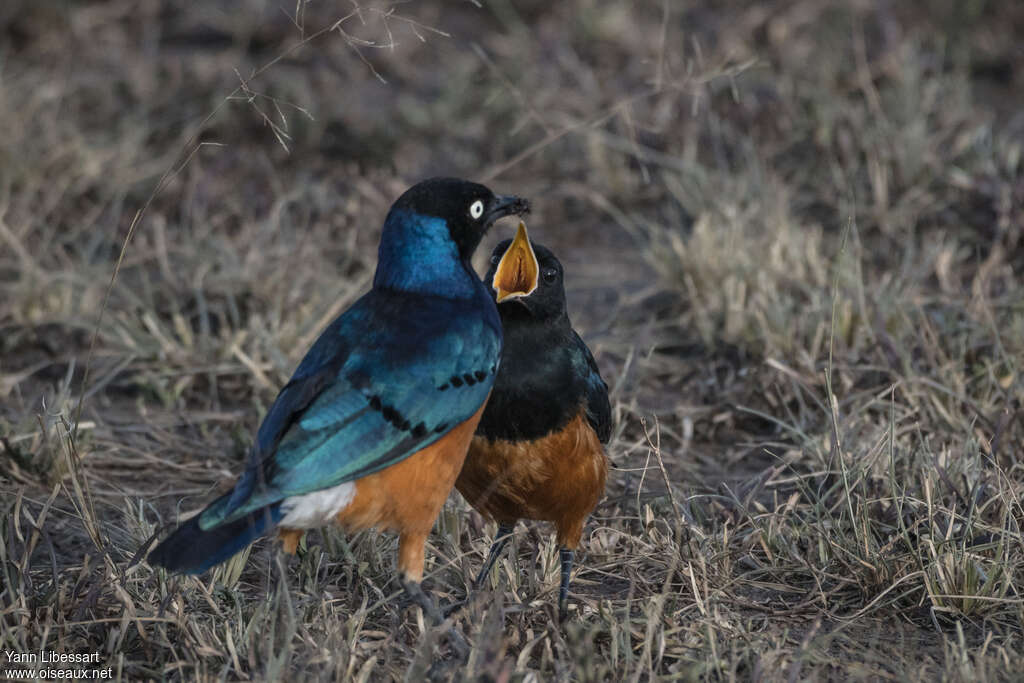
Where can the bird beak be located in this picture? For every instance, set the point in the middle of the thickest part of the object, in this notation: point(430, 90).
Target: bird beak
point(517, 271)
point(506, 205)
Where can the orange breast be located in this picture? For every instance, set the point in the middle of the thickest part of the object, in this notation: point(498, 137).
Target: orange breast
point(559, 478)
point(406, 497)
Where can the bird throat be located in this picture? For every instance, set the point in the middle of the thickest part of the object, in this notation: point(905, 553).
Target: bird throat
point(418, 255)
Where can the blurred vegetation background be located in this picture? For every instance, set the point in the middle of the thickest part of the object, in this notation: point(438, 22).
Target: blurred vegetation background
point(792, 232)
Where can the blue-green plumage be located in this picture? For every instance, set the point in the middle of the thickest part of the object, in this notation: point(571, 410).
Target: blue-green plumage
point(382, 402)
point(414, 357)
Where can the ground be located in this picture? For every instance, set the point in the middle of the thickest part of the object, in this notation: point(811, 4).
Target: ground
point(792, 233)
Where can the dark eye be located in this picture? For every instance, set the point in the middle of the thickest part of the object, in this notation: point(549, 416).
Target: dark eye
point(495, 258)
point(550, 275)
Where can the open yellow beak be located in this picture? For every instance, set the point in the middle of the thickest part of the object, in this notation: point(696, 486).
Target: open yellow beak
point(518, 270)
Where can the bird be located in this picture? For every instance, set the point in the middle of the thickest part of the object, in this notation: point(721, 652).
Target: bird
point(373, 426)
point(538, 452)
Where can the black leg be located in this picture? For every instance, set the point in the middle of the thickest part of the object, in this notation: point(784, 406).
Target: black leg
point(419, 596)
point(502, 538)
point(563, 591)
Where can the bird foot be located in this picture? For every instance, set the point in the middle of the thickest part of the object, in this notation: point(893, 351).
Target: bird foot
point(437, 617)
point(453, 607)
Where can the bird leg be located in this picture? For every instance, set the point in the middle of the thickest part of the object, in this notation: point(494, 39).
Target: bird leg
point(567, 556)
point(501, 539)
point(290, 539)
point(419, 597)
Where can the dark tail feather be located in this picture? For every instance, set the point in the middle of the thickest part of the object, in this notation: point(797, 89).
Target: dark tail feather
point(191, 550)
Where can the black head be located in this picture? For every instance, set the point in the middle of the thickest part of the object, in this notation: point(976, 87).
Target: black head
point(468, 208)
point(547, 300)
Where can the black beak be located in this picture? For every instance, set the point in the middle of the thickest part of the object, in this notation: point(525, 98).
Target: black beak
point(506, 205)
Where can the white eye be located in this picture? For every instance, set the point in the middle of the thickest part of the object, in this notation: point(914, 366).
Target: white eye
point(476, 209)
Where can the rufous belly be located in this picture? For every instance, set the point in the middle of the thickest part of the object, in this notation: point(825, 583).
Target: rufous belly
point(558, 478)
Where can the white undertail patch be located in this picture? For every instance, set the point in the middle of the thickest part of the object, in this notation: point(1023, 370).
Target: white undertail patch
point(311, 510)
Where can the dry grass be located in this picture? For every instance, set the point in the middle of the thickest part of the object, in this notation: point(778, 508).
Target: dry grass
point(793, 235)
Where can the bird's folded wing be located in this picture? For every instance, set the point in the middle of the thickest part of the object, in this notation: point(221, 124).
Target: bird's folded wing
point(383, 382)
point(599, 409)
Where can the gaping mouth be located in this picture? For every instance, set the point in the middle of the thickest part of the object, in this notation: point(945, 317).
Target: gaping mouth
point(517, 271)
point(506, 205)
